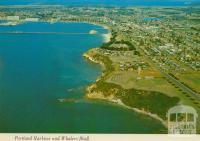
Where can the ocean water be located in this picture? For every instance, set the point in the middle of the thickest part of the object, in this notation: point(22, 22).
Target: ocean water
point(38, 69)
point(102, 2)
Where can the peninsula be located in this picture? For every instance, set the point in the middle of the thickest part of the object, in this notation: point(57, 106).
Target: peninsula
point(150, 58)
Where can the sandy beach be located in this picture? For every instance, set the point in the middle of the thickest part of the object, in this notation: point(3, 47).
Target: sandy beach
point(119, 102)
point(107, 37)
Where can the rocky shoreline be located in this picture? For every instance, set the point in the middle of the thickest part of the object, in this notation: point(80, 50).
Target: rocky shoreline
point(100, 95)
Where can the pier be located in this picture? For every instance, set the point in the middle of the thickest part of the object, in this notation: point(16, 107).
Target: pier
point(59, 33)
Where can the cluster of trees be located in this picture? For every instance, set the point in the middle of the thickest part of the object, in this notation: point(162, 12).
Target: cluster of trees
point(113, 41)
point(144, 100)
point(149, 101)
point(195, 28)
point(106, 61)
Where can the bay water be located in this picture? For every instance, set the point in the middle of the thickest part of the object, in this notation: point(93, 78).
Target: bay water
point(36, 70)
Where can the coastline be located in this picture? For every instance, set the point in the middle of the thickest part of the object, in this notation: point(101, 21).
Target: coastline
point(99, 95)
point(106, 39)
point(118, 102)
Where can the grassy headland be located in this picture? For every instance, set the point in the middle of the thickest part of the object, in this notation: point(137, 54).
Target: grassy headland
point(152, 103)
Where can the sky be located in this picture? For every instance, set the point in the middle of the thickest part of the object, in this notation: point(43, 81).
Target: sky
point(100, 2)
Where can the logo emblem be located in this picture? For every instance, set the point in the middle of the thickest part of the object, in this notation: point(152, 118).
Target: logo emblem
point(182, 120)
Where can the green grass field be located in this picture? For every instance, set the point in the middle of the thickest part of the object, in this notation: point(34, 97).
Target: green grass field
point(128, 80)
point(150, 101)
point(193, 80)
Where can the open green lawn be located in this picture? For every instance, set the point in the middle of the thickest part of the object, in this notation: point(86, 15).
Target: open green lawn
point(128, 80)
point(193, 80)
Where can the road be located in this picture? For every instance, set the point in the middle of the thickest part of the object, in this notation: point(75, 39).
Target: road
point(182, 86)
point(174, 80)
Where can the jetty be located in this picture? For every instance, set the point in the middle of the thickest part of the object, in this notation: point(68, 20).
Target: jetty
point(62, 33)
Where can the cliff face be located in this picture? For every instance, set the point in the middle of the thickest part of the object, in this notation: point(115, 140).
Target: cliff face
point(138, 100)
point(92, 55)
point(111, 95)
point(94, 93)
